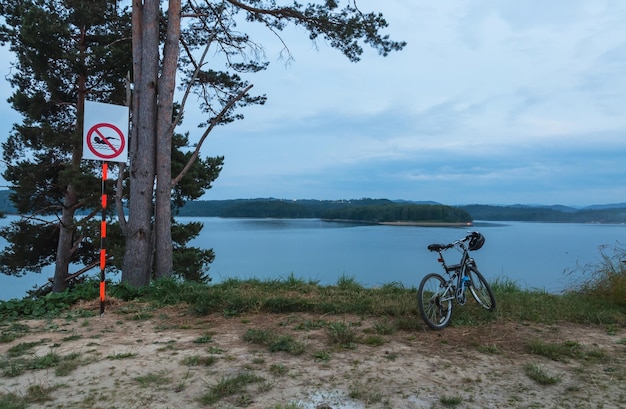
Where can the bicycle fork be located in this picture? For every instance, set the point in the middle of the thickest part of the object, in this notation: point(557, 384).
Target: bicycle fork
point(462, 282)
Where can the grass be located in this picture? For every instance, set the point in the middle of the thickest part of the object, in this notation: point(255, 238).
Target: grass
point(35, 393)
point(450, 400)
point(11, 331)
point(606, 280)
point(341, 334)
point(196, 360)
point(538, 374)
point(203, 339)
point(152, 380)
point(365, 393)
point(322, 356)
point(17, 365)
point(23, 348)
point(565, 351)
point(278, 369)
point(600, 300)
point(124, 355)
point(274, 342)
point(229, 386)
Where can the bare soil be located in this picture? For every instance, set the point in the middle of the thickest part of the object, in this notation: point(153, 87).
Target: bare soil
point(171, 359)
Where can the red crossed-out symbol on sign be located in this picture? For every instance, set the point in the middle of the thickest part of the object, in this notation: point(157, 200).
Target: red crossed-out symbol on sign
point(106, 141)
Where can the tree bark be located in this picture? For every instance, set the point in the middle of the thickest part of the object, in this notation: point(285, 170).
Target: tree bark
point(65, 245)
point(137, 266)
point(165, 129)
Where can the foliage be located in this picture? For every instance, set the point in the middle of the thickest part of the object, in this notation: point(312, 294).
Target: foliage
point(614, 214)
point(65, 52)
point(538, 374)
point(32, 246)
point(396, 303)
point(274, 342)
point(372, 210)
point(607, 280)
point(564, 351)
point(229, 386)
point(267, 208)
point(401, 212)
point(257, 207)
point(50, 305)
point(307, 208)
point(588, 303)
point(68, 52)
point(198, 178)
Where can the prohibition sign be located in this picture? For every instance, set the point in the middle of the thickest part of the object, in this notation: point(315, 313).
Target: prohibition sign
point(106, 141)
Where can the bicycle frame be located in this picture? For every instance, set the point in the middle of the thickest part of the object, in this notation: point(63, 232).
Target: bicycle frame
point(437, 294)
point(455, 284)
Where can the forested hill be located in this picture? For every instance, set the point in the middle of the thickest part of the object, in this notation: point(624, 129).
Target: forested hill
point(361, 210)
point(387, 210)
point(593, 214)
point(297, 209)
point(340, 209)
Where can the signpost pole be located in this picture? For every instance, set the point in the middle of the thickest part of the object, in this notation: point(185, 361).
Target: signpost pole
point(103, 235)
point(105, 132)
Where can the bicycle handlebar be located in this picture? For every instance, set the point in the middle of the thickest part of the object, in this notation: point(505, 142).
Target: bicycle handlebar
point(440, 247)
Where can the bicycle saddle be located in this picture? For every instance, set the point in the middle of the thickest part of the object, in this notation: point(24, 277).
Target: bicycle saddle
point(437, 247)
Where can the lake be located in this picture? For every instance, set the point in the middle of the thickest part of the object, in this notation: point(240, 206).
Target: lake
point(548, 256)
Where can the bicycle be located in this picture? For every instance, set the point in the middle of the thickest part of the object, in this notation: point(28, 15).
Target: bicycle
point(436, 294)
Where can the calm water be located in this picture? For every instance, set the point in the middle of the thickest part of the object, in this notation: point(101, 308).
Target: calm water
point(535, 255)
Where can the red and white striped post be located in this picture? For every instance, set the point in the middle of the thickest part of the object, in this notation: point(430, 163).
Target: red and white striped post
point(105, 132)
point(103, 235)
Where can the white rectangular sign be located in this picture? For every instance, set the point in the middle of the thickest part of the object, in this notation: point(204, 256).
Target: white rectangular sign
point(105, 132)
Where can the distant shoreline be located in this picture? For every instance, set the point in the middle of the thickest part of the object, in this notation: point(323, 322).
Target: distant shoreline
point(402, 223)
point(427, 224)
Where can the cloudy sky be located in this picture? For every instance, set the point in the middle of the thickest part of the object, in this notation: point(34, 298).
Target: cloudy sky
point(491, 101)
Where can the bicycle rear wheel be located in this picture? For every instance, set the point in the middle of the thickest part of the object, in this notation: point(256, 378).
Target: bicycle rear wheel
point(480, 289)
point(434, 304)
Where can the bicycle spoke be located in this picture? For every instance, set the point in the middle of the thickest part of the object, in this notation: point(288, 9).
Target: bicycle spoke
point(436, 295)
point(434, 307)
point(480, 290)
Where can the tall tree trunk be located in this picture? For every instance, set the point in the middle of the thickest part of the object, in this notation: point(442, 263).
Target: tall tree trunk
point(65, 246)
point(165, 129)
point(66, 234)
point(139, 246)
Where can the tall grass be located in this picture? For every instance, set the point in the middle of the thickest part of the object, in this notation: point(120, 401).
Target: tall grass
point(606, 280)
point(599, 300)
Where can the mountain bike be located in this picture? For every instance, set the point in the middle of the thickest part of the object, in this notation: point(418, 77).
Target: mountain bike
point(437, 294)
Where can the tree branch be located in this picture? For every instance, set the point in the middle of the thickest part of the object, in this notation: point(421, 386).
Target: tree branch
point(216, 120)
point(283, 12)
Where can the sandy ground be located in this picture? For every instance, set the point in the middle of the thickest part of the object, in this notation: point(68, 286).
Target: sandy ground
point(170, 359)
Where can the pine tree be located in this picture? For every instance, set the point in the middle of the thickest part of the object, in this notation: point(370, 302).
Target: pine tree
point(67, 51)
point(210, 27)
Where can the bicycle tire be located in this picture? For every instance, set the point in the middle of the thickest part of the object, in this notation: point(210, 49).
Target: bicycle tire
point(434, 312)
point(480, 290)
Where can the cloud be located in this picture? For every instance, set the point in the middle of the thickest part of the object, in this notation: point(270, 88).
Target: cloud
point(490, 102)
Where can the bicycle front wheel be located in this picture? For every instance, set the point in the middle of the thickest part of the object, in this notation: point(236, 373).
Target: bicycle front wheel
point(434, 302)
point(480, 289)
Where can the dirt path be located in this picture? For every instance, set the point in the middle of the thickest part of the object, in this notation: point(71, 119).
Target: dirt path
point(169, 359)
